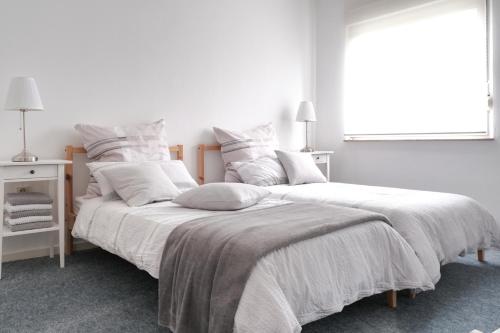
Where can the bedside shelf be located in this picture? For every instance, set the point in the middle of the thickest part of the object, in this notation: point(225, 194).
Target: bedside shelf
point(8, 233)
point(51, 172)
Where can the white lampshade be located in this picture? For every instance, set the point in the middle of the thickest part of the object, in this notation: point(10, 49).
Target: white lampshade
point(306, 112)
point(23, 95)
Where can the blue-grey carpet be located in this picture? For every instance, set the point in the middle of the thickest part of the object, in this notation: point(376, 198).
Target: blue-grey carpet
point(99, 292)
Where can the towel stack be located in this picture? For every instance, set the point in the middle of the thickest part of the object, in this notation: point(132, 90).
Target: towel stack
point(26, 211)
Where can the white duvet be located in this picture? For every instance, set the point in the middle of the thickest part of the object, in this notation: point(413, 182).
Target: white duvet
point(289, 287)
point(439, 226)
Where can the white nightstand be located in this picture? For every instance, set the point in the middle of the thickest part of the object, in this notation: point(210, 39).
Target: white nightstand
point(323, 158)
point(22, 172)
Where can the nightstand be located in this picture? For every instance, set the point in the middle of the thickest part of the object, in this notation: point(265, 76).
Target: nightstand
point(323, 158)
point(51, 171)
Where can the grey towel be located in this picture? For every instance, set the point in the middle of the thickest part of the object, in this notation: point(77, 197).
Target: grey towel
point(26, 213)
point(206, 262)
point(28, 198)
point(29, 226)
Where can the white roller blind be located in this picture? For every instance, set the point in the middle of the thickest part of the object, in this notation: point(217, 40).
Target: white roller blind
point(417, 68)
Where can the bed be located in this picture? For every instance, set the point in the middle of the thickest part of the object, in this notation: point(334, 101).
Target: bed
point(439, 226)
point(287, 288)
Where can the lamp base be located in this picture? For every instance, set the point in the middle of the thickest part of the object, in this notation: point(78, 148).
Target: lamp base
point(307, 149)
point(25, 156)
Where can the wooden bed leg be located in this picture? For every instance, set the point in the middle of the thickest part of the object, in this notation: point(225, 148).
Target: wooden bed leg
point(392, 299)
point(412, 293)
point(480, 255)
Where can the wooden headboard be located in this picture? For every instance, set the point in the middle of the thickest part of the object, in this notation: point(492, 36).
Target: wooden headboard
point(202, 148)
point(71, 151)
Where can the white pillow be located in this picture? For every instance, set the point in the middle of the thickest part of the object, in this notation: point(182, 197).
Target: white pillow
point(105, 188)
point(179, 175)
point(175, 170)
point(138, 142)
point(222, 196)
point(300, 168)
point(245, 146)
point(140, 184)
point(265, 171)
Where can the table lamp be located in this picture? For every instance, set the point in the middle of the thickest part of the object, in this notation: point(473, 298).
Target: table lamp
point(23, 96)
point(306, 114)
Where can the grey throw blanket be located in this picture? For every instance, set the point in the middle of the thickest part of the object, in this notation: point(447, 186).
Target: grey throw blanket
point(26, 213)
point(207, 262)
point(28, 198)
point(29, 226)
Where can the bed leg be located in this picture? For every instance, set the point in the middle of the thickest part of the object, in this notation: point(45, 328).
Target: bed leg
point(412, 293)
point(392, 297)
point(480, 255)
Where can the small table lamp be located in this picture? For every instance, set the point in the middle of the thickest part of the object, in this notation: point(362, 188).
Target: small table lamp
point(306, 114)
point(23, 96)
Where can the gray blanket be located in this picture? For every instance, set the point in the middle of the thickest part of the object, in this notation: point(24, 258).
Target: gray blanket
point(30, 226)
point(28, 198)
point(207, 262)
point(27, 213)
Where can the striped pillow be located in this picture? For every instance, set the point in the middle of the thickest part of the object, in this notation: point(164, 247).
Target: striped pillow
point(265, 171)
point(140, 142)
point(249, 145)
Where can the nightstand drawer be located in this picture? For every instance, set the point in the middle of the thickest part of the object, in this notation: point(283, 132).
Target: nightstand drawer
point(29, 171)
point(320, 158)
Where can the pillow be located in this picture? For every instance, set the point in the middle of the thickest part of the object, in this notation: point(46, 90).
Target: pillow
point(245, 146)
point(140, 142)
point(300, 168)
point(100, 186)
point(96, 176)
point(179, 175)
point(264, 171)
point(140, 184)
point(222, 196)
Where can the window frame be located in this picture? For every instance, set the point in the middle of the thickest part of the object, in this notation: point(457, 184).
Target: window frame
point(462, 136)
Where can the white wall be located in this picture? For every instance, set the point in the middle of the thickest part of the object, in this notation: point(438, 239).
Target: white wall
point(230, 63)
point(466, 167)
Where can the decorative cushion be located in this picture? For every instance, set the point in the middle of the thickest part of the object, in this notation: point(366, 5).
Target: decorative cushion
point(140, 184)
point(300, 168)
point(96, 175)
point(100, 186)
point(222, 196)
point(264, 171)
point(179, 175)
point(245, 146)
point(140, 142)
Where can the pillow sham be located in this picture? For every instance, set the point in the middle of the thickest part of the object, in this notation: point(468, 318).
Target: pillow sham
point(140, 184)
point(140, 142)
point(245, 146)
point(222, 196)
point(300, 168)
point(100, 186)
point(265, 171)
point(179, 175)
point(96, 176)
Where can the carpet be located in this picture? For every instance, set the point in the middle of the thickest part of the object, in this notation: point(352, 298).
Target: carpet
point(99, 292)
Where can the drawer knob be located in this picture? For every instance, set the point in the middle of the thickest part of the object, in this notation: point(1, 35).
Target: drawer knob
point(32, 172)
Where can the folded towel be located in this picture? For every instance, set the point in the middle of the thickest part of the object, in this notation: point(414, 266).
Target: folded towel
point(26, 213)
point(30, 226)
point(28, 198)
point(28, 219)
point(21, 208)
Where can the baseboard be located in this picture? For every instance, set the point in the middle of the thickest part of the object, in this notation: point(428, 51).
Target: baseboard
point(43, 252)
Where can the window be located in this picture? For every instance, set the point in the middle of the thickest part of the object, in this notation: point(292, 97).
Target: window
point(419, 73)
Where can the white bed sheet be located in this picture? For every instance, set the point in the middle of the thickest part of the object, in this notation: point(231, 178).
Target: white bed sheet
point(289, 287)
point(439, 226)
